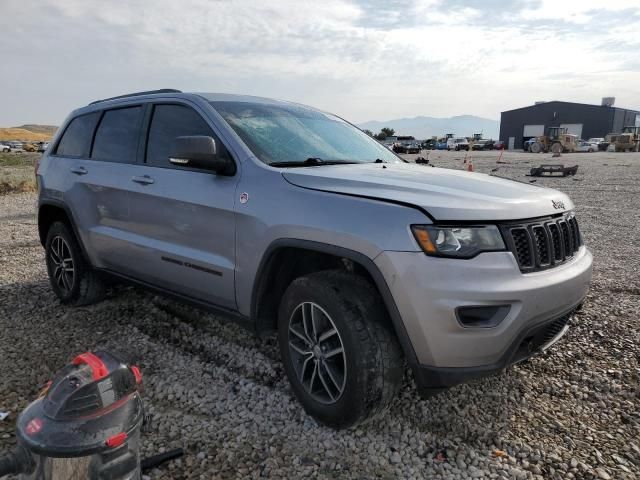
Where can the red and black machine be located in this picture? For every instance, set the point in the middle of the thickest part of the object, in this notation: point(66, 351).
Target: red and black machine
point(85, 425)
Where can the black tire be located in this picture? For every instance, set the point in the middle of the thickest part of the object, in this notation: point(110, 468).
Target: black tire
point(83, 286)
point(373, 361)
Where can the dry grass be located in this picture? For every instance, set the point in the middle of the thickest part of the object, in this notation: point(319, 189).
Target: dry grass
point(22, 134)
point(16, 172)
point(10, 186)
point(35, 128)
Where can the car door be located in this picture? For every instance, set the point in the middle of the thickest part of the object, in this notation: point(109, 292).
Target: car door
point(96, 152)
point(182, 218)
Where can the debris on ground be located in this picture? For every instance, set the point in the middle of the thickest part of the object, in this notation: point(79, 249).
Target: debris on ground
point(552, 169)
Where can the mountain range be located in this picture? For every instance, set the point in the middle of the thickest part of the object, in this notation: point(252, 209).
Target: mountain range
point(426, 127)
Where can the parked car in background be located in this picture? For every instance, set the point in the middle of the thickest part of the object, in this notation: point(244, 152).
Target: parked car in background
point(406, 147)
point(483, 144)
point(527, 144)
point(584, 146)
point(596, 141)
point(456, 144)
point(42, 146)
point(499, 145)
point(430, 144)
point(442, 145)
point(399, 147)
point(455, 274)
point(5, 148)
point(413, 148)
point(15, 145)
point(406, 144)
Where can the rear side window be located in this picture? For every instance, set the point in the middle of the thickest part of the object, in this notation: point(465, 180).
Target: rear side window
point(169, 122)
point(117, 135)
point(76, 140)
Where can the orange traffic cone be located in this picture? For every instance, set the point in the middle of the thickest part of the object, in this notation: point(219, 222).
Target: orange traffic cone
point(470, 165)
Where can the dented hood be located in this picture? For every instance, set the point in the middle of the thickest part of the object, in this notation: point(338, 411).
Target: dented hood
point(445, 194)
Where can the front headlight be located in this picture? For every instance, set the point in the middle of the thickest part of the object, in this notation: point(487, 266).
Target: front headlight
point(458, 242)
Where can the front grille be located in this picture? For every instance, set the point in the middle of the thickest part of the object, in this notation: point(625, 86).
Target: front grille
point(521, 241)
point(543, 243)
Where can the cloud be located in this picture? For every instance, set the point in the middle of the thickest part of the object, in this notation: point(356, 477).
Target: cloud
point(361, 59)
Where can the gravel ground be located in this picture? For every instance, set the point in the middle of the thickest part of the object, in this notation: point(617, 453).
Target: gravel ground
point(220, 393)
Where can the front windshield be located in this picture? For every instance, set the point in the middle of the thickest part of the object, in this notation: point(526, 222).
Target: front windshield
point(293, 133)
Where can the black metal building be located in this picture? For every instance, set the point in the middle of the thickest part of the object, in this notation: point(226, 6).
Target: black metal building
point(586, 121)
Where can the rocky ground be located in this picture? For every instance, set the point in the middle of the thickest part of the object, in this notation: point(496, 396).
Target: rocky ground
point(220, 393)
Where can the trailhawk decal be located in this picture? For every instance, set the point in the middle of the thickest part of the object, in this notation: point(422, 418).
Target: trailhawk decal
point(191, 265)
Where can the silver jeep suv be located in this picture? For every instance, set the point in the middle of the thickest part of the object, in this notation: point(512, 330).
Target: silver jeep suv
point(292, 220)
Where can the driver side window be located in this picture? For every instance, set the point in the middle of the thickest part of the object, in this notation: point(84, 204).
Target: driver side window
point(169, 122)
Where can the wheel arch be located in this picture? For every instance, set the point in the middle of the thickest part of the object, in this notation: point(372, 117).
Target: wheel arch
point(279, 266)
point(50, 212)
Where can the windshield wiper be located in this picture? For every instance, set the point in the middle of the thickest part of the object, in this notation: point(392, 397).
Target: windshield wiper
point(310, 162)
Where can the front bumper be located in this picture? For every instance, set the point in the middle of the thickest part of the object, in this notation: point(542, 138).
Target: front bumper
point(427, 290)
point(531, 341)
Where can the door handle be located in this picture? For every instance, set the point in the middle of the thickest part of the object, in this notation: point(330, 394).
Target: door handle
point(143, 180)
point(79, 170)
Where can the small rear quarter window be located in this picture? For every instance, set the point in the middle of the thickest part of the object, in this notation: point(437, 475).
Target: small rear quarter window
point(76, 139)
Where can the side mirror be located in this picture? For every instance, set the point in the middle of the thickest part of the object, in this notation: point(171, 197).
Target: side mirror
point(199, 151)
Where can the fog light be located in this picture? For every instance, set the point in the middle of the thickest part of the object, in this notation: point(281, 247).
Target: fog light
point(482, 316)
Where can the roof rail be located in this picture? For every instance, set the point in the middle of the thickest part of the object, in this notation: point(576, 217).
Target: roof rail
point(135, 94)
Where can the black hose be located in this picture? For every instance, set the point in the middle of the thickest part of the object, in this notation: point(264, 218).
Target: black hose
point(151, 462)
point(17, 461)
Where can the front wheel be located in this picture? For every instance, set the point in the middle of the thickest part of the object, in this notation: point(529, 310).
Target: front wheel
point(71, 276)
point(342, 359)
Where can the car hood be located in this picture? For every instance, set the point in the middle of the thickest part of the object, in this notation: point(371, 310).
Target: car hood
point(444, 193)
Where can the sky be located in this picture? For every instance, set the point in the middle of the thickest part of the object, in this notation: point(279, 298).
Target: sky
point(364, 60)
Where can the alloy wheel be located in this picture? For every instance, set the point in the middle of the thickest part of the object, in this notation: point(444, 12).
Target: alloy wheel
point(63, 271)
point(317, 353)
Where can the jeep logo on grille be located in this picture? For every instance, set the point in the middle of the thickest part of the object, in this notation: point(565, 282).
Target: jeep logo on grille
point(557, 205)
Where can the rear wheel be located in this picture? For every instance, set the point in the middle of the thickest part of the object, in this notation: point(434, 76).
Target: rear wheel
point(535, 147)
point(343, 361)
point(557, 148)
point(72, 278)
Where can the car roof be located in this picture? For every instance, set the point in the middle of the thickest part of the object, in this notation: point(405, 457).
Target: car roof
point(209, 96)
point(163, 94)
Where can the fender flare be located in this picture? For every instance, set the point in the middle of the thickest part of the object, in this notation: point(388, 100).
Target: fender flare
point(64, 207)
point(367, 263)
